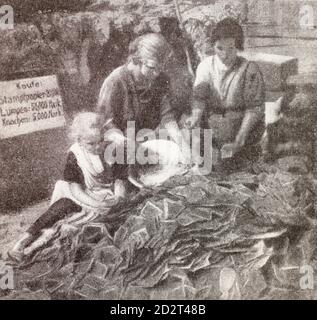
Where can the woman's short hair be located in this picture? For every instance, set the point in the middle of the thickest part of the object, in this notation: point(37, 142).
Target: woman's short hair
point(152, 46)
point(84, 124)
point(228, 28)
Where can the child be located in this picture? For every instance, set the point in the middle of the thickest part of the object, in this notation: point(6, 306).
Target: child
point(88, 185)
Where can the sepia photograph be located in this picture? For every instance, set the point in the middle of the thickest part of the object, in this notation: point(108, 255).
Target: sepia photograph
point(158, 150)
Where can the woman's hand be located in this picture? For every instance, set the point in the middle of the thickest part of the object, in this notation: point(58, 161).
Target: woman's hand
point(250, 119)
point(238, 144)
point(119, 190)
point(186, 154)
point(191, 121)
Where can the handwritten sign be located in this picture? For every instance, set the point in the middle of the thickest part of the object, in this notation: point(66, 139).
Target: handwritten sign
point(29, 105)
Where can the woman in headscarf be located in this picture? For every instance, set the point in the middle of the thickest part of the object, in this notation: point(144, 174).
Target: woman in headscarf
point(229, 95)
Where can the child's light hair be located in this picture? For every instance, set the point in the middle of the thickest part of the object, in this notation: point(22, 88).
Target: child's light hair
point(84, 123)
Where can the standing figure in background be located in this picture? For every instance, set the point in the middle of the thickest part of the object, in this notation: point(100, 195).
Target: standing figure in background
point(180, 67)
point(104, 56)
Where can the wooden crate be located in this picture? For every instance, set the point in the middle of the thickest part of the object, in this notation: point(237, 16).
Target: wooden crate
point(275, 68)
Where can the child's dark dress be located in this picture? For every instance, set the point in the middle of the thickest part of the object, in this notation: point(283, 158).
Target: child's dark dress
point(64, 206)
